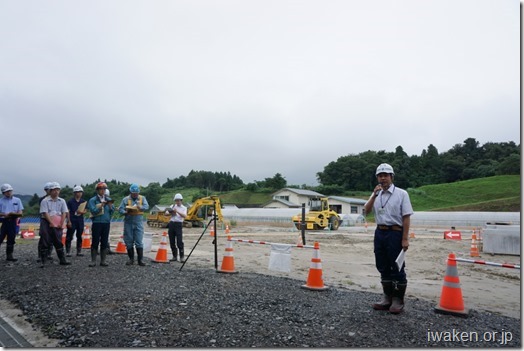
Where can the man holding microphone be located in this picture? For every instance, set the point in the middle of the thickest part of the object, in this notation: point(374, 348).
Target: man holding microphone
point(392, 209)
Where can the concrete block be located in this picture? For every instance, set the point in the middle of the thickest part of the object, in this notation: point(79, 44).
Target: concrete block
point(501, 239)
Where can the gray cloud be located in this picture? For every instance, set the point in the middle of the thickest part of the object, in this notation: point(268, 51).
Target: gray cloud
point(142, 91)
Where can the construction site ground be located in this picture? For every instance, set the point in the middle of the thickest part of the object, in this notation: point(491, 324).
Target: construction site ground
point(347, 262)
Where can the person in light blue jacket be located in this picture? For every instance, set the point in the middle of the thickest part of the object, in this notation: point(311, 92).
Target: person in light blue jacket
point(101, 209)
point(133, 207)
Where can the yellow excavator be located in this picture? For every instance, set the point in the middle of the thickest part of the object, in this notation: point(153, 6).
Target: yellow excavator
point(196, 215)
point(201, 210)
point(319, 217)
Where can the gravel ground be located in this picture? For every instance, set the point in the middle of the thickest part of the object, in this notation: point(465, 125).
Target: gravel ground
point(161, 306)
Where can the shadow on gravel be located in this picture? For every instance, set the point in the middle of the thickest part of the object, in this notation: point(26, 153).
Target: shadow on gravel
point(160, 306)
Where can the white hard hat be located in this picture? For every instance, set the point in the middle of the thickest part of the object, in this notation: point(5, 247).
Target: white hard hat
point(6, 187)
point(78, 189)
point(54, 185)
point(106, 193)
point(178, 197)
point(384, 168)
point(48, 185)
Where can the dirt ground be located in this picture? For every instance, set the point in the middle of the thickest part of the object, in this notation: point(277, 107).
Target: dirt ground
point(347, 262)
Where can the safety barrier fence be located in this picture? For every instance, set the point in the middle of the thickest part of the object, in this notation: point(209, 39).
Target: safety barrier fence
point(36, 220)
point(268, 243)
point(505, 265)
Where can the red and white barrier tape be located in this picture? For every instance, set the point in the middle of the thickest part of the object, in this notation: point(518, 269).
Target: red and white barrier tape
point(268, 243)
point(505, 265)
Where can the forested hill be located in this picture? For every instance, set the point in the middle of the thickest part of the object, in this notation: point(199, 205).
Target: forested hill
point(465, 161)
point(347, 176)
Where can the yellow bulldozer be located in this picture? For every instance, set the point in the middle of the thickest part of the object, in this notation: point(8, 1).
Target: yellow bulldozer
point(199, 212)
point(319, 216)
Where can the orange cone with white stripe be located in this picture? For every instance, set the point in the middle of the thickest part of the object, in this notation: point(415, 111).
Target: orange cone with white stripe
point(212, 230)
point(314, 278)
point(474, 252)
point(451, 301)
point(227, 229)
point(121, 247)
point(86, 238)
point(228, 262)
point(161, 255)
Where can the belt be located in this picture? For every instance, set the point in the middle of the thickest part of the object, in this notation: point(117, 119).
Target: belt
point(395, 228)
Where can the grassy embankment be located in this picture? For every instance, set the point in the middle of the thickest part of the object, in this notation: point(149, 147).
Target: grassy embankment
point(499, 193)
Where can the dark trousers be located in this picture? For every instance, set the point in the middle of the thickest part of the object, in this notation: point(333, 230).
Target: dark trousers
point(100, 233)
point(387, 246)
point(175, 238)
point(49, 237)
point(78, 227)
point(8, 230)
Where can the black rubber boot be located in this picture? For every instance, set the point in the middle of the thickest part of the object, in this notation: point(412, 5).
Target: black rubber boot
point(43, 258)
point(79, 252)
point(9, 253)
point(93, 257)
point(49, 254)
point(174, 259)
point(131, 255)
point(61, 256)
point(387, 286)
point(397, 305)
point(140, 254)
point(181, 255)
point(103, 254)
point(68, 249)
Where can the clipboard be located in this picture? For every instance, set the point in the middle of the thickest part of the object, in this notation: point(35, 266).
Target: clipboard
point(82, 207)
point(400, 259)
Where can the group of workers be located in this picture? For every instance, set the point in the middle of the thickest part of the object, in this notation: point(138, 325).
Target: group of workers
point(391, 207)
point(56, 214)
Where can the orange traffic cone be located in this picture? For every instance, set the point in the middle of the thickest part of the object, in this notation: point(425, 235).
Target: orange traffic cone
point(86, 238)
point(314, 278)
point(212, 230)
point(227, 229)
point(474, 252)
point(121, 247)
point(412, 235)
point(451, 301)
point(228, 263)
point(161, 255)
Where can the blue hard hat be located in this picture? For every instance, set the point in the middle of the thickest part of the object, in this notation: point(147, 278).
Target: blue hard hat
point(134, 188)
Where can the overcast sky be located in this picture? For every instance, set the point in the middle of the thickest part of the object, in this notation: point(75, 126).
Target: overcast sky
point(142, 91)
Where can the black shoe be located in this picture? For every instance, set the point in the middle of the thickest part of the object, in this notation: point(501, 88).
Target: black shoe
point(173, 259)
point(79, 255)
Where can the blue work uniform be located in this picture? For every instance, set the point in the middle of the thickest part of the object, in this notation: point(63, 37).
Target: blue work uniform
point(134, 221)
point(101, 221)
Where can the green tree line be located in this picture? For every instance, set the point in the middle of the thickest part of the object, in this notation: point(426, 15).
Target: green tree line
point(356, 172)
point(353, 172)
